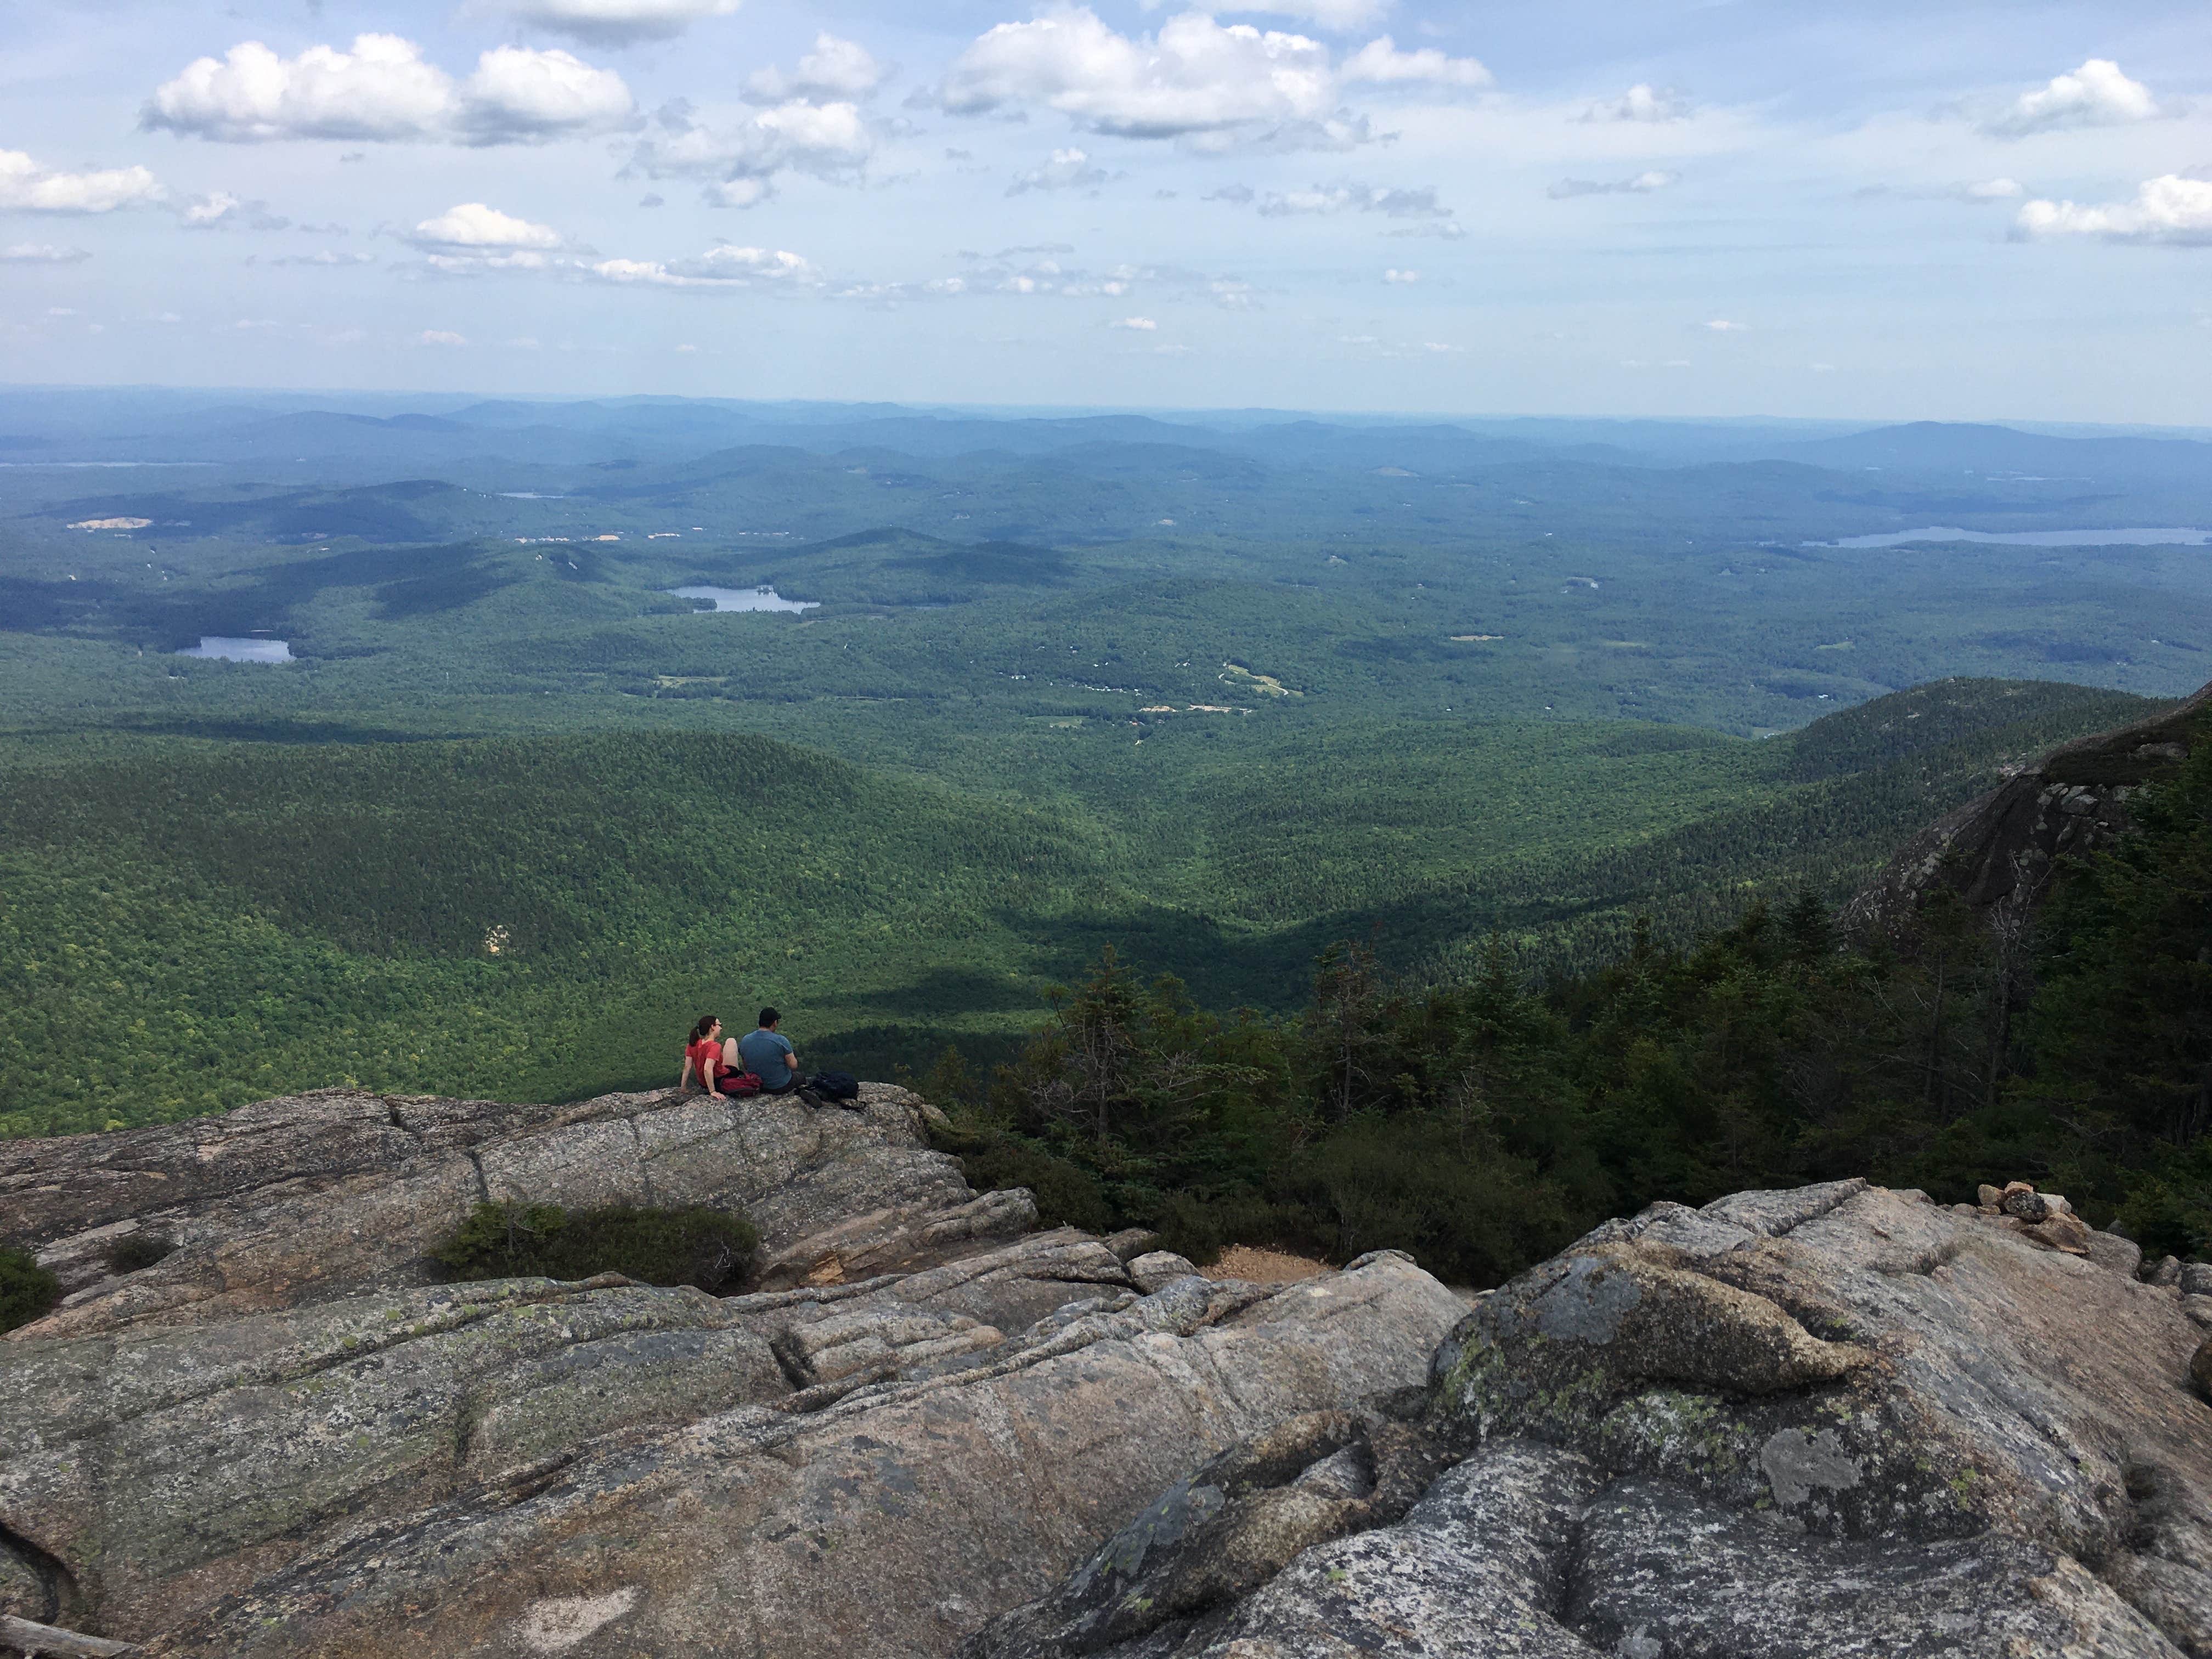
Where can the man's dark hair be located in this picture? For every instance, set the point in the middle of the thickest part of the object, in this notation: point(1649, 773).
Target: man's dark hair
point(768, 1017)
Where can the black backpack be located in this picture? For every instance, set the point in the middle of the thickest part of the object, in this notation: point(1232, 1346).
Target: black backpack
point(836, 1085)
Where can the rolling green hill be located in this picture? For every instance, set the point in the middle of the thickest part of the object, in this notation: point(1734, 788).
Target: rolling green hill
point(190, 923)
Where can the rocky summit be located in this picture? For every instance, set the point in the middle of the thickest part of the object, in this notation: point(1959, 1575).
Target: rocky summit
point(282, 1436)
point(1838, 1421)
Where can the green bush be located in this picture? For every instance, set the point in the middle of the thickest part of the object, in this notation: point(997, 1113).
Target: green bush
point(136, 1251)
point(706, 1248)
point(1067, 1194)
point(26, 1290)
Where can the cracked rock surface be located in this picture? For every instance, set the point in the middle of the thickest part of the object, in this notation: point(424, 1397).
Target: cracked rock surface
point(280, 1439)
point(321, 1195)
point(1834, 1421)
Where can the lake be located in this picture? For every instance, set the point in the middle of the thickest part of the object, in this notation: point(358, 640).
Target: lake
point(2032, 537)
point(744, 598)
point(229, 650)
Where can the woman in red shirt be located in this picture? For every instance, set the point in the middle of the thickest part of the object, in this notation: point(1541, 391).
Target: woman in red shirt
point(704, 1056)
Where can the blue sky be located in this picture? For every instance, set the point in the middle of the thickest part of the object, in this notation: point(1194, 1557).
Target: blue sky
point(1873, 210)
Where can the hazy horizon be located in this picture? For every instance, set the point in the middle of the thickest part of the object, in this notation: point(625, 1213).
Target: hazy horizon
point(1193, 413)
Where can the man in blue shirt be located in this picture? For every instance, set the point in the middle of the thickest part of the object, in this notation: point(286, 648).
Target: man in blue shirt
point(769, 1055)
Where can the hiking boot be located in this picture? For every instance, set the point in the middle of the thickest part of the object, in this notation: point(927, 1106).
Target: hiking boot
point(811, 1098)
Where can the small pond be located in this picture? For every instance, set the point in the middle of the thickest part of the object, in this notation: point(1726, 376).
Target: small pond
point(230, 650)
point(745, 599)
point(2176, 538)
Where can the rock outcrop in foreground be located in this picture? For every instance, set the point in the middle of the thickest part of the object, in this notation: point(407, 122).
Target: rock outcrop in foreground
point(323, 1195)
point(1837, 1421)
point(282, 1438)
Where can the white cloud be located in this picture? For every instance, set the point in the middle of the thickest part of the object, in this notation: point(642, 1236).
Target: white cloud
point(384, 90)
point(1642, 184)
point(42, 253)
point(1405, 278)
point(1994, 190)
point(1721, 326)
point(1069, 169)
point(26, 187)
point(517, 94)
point(1038, 271)
point(1322, 14)
point(722, 267)
point(2097, 94)
point(221, 210)
point(324, 257)
point(836, 70)
point(205, 210)
point(1195, 77)
point(435, 337)
point(829, 141)
point(473, 225)
point(2171, 208)
point(1381, 63)
point(1346, 196)
point(470, 239)
point(1139, 325)
point(1641, 102)
point(616, 22)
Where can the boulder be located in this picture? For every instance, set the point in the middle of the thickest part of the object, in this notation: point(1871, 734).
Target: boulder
point(2165, 1273)
point(1828, 1422)
point(2115, 1254)
point(1157, 1269)
point(2195, 1279)
point(321, 1196)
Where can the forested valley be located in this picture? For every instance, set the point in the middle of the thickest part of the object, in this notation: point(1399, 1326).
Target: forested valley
point(1324, 835)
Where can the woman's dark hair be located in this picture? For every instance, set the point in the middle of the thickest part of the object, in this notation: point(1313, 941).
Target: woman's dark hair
point(707, 1023)
point(768, 1017)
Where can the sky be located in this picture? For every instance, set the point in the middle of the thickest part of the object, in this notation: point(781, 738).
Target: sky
point(1879, 211)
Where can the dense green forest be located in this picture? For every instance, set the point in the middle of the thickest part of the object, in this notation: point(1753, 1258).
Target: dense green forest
point(1483, 1123)
point(191, 924)
point(1548, 740)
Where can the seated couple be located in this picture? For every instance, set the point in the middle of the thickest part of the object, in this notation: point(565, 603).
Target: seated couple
point(718, 1062)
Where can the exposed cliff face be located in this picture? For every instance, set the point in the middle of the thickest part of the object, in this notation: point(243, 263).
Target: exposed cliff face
point(280, 1439)
point(2000, 849)
point(1836, 1421)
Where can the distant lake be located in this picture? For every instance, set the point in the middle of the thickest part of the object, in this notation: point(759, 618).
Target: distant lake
point(528, 495)
point(230, 650)
point(2032, 537)
point(745, 599)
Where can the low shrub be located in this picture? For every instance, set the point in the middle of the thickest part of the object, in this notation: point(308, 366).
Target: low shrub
point(26, 1290)
point(709, 1248)
point(137, 1250)
point(1067, 1194)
